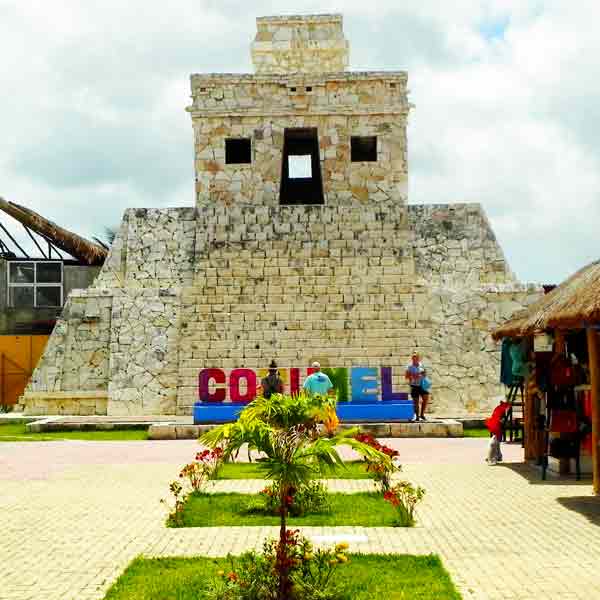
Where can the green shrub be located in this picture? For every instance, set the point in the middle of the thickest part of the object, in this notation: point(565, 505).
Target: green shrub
point(310, 497)
point(254, 576)
point(339, 378)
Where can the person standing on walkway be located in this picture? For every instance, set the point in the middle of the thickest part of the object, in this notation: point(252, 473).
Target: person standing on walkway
point(318, 383)
point(425, 392)
point(272, 383)
point(414, 376)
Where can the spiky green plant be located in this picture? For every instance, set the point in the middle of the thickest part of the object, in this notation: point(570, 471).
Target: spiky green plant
point(286, 430)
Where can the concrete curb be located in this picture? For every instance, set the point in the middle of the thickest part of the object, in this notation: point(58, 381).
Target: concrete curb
point(442, 428)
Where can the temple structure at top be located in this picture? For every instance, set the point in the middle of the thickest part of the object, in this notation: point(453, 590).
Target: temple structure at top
point(300, 246)
point(302, 130)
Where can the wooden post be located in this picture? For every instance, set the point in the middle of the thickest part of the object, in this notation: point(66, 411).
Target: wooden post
point(594, 356)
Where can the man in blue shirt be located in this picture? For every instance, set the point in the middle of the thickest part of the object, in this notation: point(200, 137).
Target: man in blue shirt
point(414, 375)
point(318, 382)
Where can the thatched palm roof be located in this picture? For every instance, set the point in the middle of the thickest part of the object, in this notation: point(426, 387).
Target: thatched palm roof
point(574, 303)
point(75, 245)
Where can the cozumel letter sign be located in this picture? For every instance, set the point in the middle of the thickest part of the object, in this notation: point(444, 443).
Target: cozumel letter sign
point(364, 393)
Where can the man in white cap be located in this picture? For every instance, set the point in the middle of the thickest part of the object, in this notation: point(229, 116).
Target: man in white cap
point(318, 383)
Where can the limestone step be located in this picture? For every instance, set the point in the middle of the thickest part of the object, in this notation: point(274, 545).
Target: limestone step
point(435, 428)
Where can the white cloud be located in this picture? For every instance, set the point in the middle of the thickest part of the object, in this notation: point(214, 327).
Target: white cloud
point(506, 92)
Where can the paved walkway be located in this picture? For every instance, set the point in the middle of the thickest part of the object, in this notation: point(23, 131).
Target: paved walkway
point(73, 514)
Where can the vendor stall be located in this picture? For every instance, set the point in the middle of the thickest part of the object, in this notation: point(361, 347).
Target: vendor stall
point(562, 382)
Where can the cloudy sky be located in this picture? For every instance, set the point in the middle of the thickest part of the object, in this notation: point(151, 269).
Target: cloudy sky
point(507, 96)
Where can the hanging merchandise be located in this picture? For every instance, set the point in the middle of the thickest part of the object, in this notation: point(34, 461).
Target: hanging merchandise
point(518, 353)
point(562, 372)
point(506, 376)
point(563, 421)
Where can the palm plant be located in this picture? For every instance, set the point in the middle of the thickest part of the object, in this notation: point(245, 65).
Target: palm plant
point(288, 431)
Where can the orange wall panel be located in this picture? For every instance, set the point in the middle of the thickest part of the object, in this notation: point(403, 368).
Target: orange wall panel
point(19, 354)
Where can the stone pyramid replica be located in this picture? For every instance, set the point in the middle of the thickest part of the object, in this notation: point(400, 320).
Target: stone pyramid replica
point(301, 246)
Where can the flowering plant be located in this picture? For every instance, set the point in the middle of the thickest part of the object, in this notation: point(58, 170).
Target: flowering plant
point(404, 497)
point(203, 469)
point(379, 470)
point(175, 518)
point(197, 474)
point(330, 420)
point(311, 571)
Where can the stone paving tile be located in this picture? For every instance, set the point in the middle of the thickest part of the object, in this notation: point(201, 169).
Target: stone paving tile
point(74, 515)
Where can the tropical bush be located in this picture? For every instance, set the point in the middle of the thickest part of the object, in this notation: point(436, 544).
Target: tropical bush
point(254, 575)
point(404, 497)
point(203, 469)
point(310, 497)
point(382, 466)
point(288, 431)
point(195, 475)
point(339, 379)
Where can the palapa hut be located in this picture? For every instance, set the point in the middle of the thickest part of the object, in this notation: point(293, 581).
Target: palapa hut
point(572, 310)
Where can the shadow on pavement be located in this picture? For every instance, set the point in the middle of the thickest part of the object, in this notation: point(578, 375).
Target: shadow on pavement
point(587, 506)
point(534, 475)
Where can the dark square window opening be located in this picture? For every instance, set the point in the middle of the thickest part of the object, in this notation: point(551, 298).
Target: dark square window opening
point(238, 151)
point(301, 181)
point(363, 149)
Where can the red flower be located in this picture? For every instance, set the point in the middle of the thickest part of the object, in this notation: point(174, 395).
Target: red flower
point(202, 455)
point(391, 497)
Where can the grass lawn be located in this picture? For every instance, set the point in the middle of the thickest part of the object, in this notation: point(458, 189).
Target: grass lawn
point(369, 577)
point(18, 433)
point(480, 432)
point(362, 509)
point(353, 470)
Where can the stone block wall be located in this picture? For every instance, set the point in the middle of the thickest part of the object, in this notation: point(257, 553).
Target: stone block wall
point(76, 357)
point(153, 248)
point(346, 285)
point(344, 181)
point(462, 358)
point(247, 95)
point(455, 245)
point(286, 44)
point(144, 351)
